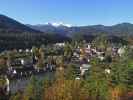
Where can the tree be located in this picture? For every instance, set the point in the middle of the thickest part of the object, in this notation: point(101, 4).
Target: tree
point(42, 51)
point(17, 96)
point(71, 72)
point(40, 64)
point(119, 72)
point(3, 95)
point(35, 51)
point(40, 57)
point(78, 37)
point(34, 90)
point(3, 65)
point(65, 89)
point(130, 75)
point(120, 75)
point(101, 41)
point(68, 51)
point(97, 82)
point(60, 62)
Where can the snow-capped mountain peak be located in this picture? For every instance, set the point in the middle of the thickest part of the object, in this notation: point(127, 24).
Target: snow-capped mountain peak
point(57, 24)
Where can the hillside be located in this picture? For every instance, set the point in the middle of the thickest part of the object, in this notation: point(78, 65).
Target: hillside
point(14, 34)
point(9, 25)
point(49, 28)
point(117, 30)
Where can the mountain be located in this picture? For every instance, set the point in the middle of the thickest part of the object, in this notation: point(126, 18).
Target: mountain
point(117, 30)
point(14, 34)
point(56, 28)
point(9, 25)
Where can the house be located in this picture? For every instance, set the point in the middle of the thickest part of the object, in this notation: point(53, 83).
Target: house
point(7, 84)
point(107, 71)
point(75, 54)
point(60, 44)
point(101, 58)
point(75, 59)
point(83, 68)
point(77, 78)
point(20, 50)
point(88, 46)
point(121, 51)
point(26, 61)
point(87, 50)
point(15, 62)
point(27, 50)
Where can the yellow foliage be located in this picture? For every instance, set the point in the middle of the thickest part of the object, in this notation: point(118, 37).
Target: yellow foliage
point(65, 90)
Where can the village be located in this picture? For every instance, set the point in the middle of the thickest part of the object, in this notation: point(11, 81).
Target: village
point(21, 63)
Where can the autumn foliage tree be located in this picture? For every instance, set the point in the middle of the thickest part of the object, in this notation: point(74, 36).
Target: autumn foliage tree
point(63, 89)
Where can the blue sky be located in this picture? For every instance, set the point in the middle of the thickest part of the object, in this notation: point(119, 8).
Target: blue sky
point(75, 12)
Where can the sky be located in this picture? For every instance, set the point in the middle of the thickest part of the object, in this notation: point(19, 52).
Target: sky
point(74, 12)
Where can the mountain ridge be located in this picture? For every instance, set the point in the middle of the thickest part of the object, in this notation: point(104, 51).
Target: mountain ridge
point(14, 34)
point(117, 29)
point(8, 25)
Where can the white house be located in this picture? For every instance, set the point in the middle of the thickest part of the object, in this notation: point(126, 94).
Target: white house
point(22, 61)
point(101, 58)
point(107, 71)
point(60, 44)
point(89, 46)
point(121, 51)
point(7, 85)
point(75, 54)
point(20, 50)
point(27, 50)
point(77, 78)
point(84, 67)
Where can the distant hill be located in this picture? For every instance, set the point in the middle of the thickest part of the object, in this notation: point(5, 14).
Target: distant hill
point(9, 25)
point(14, 34)
point(117, 30)
point(50, 28)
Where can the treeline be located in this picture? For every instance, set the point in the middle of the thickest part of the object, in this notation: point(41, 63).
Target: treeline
point(27, 40)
